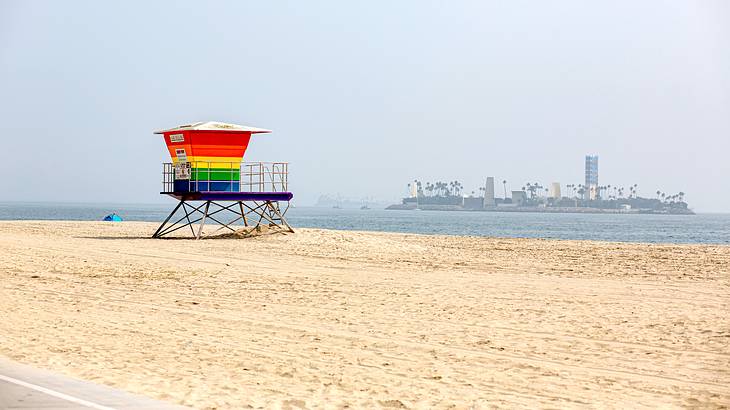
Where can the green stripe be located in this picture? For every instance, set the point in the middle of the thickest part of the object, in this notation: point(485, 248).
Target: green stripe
point(215, 174)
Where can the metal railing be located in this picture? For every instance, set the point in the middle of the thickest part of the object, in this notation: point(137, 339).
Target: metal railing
point(207, 176)
point(168, 177)
point(264, 176)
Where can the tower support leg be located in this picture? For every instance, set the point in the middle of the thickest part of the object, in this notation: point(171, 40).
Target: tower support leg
point(243, 214)
point(276, 212)
point(157, 233)
point(202, 222)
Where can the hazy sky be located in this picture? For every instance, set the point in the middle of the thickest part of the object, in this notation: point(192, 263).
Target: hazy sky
point(365, 97)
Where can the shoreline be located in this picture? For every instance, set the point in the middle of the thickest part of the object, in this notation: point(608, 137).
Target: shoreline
point(374, 231)
point(535, 209)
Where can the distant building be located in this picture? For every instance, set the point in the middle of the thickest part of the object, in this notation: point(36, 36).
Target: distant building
point(519, 198)
point(473, 203)
point(555, 190)
point(591, 184)
point(489, 193)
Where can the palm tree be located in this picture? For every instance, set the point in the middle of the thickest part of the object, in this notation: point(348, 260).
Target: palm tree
point(504, 183)
point(532, 189)
point(457, 188)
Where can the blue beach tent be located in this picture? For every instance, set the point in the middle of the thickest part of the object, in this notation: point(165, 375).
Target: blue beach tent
point(113, 218)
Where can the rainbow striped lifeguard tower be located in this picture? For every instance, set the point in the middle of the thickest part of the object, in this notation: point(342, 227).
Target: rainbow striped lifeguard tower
point(210, 180)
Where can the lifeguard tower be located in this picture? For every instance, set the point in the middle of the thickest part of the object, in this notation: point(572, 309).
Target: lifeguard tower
point(213, 184)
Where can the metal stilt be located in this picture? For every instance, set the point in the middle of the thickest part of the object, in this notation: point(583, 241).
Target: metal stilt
point(243, 214)
point(202, 223)
point(155, 235)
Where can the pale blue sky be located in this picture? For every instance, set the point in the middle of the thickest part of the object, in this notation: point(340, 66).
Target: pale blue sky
point(364, 97)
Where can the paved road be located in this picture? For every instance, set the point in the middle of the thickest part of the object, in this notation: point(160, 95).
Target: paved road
point(24, 387)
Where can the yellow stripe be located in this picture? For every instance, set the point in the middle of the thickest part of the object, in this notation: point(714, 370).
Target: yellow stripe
point(213, 162)
point(192, 158)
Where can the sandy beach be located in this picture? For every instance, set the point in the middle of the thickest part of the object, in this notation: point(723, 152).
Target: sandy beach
point(342, 319)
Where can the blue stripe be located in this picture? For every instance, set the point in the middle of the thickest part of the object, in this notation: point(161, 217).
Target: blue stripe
point(207, 186)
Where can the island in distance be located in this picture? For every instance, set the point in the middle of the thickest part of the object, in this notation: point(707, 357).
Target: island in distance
point(533, 197)
point(589, 197)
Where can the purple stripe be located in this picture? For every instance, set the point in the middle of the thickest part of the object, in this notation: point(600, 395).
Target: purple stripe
point(231, 196)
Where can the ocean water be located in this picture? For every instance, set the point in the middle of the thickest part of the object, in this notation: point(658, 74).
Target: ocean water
point(702, 228)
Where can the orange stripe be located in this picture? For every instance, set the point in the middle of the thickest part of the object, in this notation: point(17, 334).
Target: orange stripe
point(208, 152)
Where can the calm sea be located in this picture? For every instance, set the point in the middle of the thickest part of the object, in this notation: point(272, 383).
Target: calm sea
point(703, 228)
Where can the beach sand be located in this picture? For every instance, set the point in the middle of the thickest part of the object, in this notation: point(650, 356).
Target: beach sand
point(352, 319)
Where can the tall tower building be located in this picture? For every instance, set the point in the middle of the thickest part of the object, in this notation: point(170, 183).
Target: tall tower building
point(591, 185)
point(489, 193)
point(413, 189)
point(555, 190)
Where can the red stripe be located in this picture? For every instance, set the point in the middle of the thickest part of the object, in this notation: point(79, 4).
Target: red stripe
point(212, 138)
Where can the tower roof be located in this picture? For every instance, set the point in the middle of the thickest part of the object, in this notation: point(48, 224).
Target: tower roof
point(214, 126)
